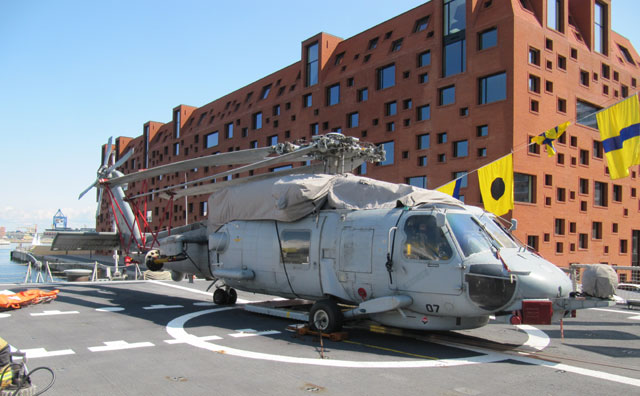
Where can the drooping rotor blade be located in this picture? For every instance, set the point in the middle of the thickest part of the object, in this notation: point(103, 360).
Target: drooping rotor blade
point(86, 190)
point(99, 202)
point(289, 157)
point(211, 188)
point(230, 158)
point(121, 161)
point(108, 153)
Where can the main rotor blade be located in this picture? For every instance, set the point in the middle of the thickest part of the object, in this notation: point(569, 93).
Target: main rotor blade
point(121, 161)
point(86, 190)
point(289, 157)
point(99, 202)
point(230, 158)
point(211, 188)
point(108, 153)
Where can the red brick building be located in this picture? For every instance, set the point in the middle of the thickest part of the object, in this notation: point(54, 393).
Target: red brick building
point(446, 87)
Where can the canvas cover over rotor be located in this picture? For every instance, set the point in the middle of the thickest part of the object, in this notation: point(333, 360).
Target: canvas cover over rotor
point(290, 198)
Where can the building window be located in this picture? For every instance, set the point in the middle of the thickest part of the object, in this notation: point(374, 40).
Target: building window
point(561, 194)
point(417, 181)
point(447, 95)
point(584, 157)
point(454, 16)
point(424, 112)
point(276, 110)
point(533, 242)
point(388, 149)
point(583, 187)
point(421, 24)
point(312, 65)
point(176, 149)
point(333, 95)
point(617, 193)
point(391, 108)
point(462, 175)
point(314, 129)
point(562, 107)
point(423, 78)
point(363, 95)
point(272, 140)
point(583, 241)
point(600, 28)
point(482, 152)
point(424, 59)
point(396, 45)
point(584, 78)
point(386, 77)
point(228, 130)
point(307, 100)
point(391, 126)
point(442, 137)
point(555, 15)
point(454, 58)
point(423, 142)
point(407, 104)
point(493, 88)
point(460, 148)
point(600, 194)
point(534, 83)
point(265, 91)
point(482, 130)
point(488, 38)
point(524, 187)
point(586, 114)
point(597, 149)
point(534, 56)
point(422, 161)
point(257, 120)
point(596, 230)
point(352, 120)
point(562, 63)
point(559, 226)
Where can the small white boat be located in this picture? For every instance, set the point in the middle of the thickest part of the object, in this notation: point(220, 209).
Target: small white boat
point(5, 243)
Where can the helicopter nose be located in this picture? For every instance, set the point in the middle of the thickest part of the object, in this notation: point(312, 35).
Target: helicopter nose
point(545, 281)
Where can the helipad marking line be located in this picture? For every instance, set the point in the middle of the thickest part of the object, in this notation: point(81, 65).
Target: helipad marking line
point(3, 315)
point(252, 333)
point(239, 301)
point(162, 306)
point(537, 340)
point(110, 309)
point(205, 338)
point(175, 328)
point(54, 312)
point(119, 345)
point(41, 352)
point(613, 310)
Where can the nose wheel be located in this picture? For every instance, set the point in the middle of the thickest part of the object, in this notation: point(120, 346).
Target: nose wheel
point(225, 297)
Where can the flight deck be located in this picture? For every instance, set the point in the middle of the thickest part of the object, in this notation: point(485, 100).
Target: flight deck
point(167, 338)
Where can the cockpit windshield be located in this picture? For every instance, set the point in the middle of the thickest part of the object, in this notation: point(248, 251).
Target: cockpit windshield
point(470, 235)
point(498, 232)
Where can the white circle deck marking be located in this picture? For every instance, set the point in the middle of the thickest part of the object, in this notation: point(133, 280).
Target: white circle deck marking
point(175, 328)
point(110, 309)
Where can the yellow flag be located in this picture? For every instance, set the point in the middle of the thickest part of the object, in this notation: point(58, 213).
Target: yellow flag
point(549, 136)
point(619, 127)
point(452, 188)
point(496, 185)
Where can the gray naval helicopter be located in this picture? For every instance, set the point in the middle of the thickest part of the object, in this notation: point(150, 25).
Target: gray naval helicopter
point(359, 248)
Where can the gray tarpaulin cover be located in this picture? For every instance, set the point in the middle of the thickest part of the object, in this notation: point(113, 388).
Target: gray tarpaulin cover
point(599, 280)
point(290, 198)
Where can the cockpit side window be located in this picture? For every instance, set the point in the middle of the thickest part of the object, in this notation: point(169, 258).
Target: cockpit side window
point(425, 240)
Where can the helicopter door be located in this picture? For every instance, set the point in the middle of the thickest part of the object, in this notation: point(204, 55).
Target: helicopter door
point(424, 258)
point(300, 254)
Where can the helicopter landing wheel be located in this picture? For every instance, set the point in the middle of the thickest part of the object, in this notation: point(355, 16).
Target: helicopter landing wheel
point(325, 316)
point(220, 297)
point(232, 296)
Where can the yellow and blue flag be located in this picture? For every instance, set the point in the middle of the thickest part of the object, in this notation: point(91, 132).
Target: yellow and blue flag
point(549, 136)
point(452, 188)
point(496, 185)
point(619, 127)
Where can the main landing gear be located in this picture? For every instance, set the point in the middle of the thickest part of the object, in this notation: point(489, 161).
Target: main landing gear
point(325, 316)
point(225, 296)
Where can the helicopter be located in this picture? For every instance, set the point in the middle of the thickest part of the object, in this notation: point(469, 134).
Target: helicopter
point(358, 248)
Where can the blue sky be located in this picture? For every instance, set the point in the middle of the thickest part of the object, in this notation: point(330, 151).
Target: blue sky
point(73, 73)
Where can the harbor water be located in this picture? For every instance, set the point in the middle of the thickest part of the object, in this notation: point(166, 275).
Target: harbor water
point(13, 271)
